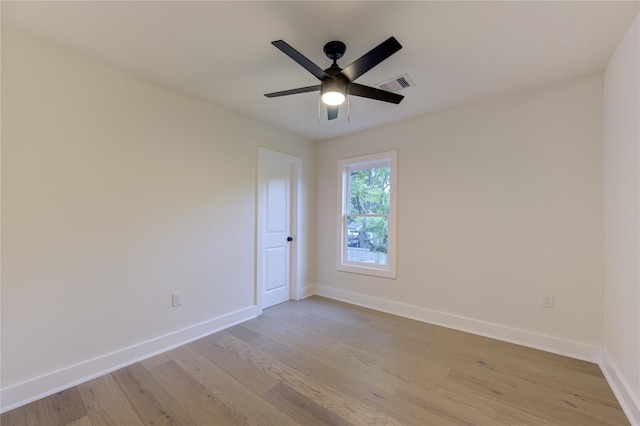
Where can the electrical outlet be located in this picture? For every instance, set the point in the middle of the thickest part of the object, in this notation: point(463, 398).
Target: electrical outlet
point(547, 300)
point(176, 299)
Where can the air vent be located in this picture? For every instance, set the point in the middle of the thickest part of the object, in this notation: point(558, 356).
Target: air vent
point(397, 83)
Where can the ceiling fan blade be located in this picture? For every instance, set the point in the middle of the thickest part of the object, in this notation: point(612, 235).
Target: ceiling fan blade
point(373, 93)
point(371, 58)
point(300, 59)
point(332, 112)
point(293, 91)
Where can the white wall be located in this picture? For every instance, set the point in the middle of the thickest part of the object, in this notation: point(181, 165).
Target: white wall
point(622, 221)
point(498, 203)
point(116, 193)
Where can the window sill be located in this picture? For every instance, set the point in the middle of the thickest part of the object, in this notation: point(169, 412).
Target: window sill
point(367, 270)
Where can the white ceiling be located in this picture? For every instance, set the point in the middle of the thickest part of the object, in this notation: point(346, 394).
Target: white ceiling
point(220, 52)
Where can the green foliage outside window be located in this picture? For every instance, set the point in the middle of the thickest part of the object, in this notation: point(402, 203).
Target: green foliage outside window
point(369, 194)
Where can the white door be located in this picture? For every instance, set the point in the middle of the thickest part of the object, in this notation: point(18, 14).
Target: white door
point(276, 189)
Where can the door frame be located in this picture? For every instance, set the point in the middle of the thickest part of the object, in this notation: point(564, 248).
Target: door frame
point(295, 164)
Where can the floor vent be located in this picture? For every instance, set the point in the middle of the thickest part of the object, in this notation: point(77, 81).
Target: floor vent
point(397, 83)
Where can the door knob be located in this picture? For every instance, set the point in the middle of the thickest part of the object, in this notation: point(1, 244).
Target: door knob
point(289, 238)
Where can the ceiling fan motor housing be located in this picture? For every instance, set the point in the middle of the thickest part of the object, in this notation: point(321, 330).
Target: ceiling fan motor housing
point(338, 83)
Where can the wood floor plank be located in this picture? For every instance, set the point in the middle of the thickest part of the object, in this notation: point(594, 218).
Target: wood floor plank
point(536, 403)
point(345, 406)
point(577, 399)
point(374, 321)
point(526, 359)
point(346, 383)
point(106, 404)
point(312, 344)
point(462, 406)
point(393, 356)
point(155, 361)
point(301, 408)
point(240, 369)
point(337, 331)
point(203, 406)
point(60, 408)
point(149, 399)
point(242, 332)
point(83, 421)
point(506, 365)
point(405, 367)
point(226, 389)
point(588, 387)
point(539, 356)
point(411, 331)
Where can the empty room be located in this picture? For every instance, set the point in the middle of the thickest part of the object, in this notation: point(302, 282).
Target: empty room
point(320, 212)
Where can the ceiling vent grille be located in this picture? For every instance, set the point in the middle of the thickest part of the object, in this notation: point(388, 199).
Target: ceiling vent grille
point(397, 83)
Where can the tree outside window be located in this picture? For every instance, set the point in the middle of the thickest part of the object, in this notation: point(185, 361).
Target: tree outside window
point(367, 219)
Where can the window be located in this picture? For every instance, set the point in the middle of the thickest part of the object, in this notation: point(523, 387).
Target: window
point(367, 215)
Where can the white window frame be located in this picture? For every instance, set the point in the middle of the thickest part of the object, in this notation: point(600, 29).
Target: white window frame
point(382, 159)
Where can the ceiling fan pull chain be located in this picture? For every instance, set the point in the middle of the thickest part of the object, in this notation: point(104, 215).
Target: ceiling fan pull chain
point(348, 109)
point(319, 98)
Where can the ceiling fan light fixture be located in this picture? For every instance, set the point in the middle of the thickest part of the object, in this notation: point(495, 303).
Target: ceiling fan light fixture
point(333, 92)
point(333, 98)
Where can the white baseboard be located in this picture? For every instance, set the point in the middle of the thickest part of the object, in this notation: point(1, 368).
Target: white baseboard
point(629, 402)
point(31, 390)
point(308, 290)
point(496, 331)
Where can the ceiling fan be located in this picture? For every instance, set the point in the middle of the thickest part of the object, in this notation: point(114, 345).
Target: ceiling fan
point(335, 82)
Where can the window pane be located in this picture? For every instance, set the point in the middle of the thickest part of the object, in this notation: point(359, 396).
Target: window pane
point(369, 190)
point(367, 239)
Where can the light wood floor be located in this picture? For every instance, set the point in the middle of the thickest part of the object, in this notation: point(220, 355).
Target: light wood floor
point(322, 362)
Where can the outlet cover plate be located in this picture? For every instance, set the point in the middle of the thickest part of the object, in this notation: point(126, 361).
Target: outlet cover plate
point(176, 299)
